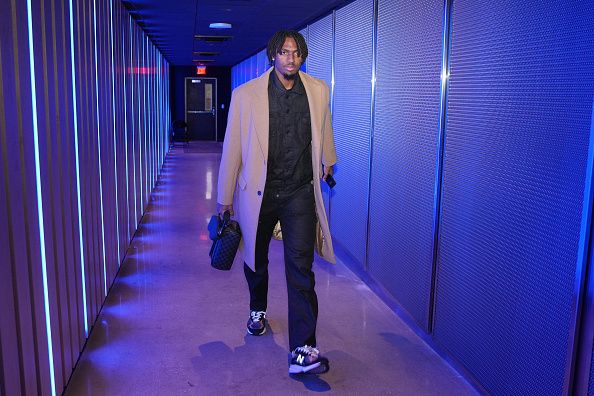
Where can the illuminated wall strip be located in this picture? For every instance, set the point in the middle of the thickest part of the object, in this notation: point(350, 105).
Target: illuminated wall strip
point(99, 150)
point(126, 133)
point(145, 113)
point(115, 151)
point(138, 58)
point(149, 123)
point(48, 324)
point(132, 89)
point(80, 233)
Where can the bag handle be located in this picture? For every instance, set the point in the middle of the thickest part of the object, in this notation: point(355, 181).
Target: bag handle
point(226, 219)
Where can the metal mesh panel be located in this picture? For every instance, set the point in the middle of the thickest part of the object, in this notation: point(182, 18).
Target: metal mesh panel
point(352, 125)
point(591, 382)
point(262, 62)
point(519, 111)
point(319, 44)
point(319, 63)
point(304, 34)
point(404, 156)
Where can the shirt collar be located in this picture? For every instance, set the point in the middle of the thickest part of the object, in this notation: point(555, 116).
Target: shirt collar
point(297, 87)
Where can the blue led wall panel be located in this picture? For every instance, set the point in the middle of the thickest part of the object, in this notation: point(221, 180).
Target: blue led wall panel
point(517, 137)
point(23, 339)
point(352, 126)
point(70, 95)
point(409, 53)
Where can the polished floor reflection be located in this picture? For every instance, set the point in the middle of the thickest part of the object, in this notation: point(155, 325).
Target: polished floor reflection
point(172, 325)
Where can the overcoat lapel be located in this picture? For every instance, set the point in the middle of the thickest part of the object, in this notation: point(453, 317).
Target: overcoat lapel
point(260, 113)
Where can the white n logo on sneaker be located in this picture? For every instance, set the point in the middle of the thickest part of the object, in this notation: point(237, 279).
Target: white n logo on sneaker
point(300, 359)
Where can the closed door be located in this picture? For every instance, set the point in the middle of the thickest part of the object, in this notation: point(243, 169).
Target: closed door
point(201, 108)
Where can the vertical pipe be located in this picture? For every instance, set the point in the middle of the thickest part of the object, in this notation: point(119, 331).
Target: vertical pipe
point(372, 127)
point(437, 195)
point(333, 83)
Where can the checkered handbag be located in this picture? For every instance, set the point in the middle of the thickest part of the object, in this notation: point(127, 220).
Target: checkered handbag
point(226, 235)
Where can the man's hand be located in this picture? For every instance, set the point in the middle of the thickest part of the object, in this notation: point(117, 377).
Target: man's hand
point(327, 171)
point(222, 208)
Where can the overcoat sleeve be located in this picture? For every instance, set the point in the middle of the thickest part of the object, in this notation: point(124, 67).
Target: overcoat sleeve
point(231, 157)
point(328, 148)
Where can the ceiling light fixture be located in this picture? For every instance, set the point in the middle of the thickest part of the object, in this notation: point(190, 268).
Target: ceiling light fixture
point(212, 39)
point(205, 53)
point(220, 25)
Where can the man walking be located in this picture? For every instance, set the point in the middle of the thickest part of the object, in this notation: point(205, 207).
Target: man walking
point(278, 144)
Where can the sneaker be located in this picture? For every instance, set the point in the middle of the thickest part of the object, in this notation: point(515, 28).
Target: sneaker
point(256, 324)
point(307, 359)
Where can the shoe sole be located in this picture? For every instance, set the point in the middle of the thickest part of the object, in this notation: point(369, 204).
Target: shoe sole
point(257, 334)
point(297, 369)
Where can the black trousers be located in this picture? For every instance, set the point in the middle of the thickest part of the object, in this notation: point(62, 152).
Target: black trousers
point(296, 212)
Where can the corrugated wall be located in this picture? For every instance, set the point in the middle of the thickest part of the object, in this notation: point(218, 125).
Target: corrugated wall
point(478, 175)
point(83, 133)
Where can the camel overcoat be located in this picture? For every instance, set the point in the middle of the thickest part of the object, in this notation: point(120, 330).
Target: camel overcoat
point(242, 174)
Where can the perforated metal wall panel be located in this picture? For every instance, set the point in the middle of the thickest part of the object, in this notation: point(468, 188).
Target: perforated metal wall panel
point(405, 147)
point(304, 34)
point(319, 63)
point(262, 62)
point(352, 126)
point(319, 45)
point(591, 382)
point(518, 129)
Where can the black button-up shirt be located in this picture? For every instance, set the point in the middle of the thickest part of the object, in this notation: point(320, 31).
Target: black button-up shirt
point(289, 142)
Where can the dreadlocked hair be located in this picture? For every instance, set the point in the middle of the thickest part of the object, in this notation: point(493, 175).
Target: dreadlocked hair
point(275, 44)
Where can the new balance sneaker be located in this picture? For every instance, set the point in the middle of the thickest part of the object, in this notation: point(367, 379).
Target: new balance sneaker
point(307, 359)
point(256, 324)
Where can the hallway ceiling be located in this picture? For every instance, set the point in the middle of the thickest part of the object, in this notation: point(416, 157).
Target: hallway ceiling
point(172, 25)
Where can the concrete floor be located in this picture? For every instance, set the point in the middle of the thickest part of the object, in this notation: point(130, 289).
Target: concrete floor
point(172, 325)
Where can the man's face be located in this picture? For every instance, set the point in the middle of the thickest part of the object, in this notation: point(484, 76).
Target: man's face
point(289, 60)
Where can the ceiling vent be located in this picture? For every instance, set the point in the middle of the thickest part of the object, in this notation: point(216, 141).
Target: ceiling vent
point(205, 53)
point(203, 60)
point(212, 39)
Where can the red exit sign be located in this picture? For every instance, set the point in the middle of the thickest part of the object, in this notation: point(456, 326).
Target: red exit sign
point(200, 70)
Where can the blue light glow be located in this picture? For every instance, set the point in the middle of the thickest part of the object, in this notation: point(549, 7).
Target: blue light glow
point(48, 324)
point(115, 151)
point(80, 234)
point(99, 150)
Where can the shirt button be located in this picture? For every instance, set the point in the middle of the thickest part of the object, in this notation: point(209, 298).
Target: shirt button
point(259, 192)
point(288, 111)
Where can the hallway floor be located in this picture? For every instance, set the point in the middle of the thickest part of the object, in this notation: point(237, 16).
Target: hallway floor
point(172, 325)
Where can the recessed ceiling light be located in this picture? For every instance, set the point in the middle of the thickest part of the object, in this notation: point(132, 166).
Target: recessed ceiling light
point(220, 25)
point(212, 38)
